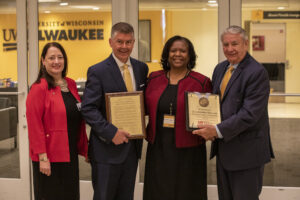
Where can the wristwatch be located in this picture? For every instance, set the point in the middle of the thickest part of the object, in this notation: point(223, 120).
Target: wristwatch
point(45, 159)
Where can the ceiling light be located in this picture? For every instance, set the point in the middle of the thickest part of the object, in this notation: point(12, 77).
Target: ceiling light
point(213, 5)
point(84, 7)
point(49, 1)
point(64, 4)
point(47, 11)
point(96, 8)
point(212, 1)
point(281, 8)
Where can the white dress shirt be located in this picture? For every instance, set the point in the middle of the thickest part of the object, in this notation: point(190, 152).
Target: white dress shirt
point(128, 63)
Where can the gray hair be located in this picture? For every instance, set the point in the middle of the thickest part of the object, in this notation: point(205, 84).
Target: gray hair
point(121, 27)
point(235, 30)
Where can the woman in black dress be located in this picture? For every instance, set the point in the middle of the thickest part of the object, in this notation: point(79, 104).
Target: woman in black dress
point(176, 159)
point(55, 127)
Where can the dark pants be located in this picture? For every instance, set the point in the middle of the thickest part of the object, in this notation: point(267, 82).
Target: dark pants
point(115, 181)
point(62, 184)
point(239, 185)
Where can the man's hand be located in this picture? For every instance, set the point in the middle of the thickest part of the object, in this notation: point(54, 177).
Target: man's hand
point(208, 132)
point(120, 137)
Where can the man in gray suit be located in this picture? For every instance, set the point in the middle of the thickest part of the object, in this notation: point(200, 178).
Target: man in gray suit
point(241, 142)
point(114, 157)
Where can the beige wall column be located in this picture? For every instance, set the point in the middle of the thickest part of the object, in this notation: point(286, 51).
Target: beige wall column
point(33, 40)
point(223, 22)
point(229, 13)
point(127, 11)
point(235, 11)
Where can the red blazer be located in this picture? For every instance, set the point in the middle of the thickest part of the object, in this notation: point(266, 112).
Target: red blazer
point(193, 82)
point(47, 123)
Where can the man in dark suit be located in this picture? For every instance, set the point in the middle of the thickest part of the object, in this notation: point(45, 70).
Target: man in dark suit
point(113, 156)
point(241, 142)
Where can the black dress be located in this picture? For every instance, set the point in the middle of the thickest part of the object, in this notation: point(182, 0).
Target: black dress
point(63, 183)
point(173, 173)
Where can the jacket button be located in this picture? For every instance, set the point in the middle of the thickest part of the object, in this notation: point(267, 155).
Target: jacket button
point(47, 135)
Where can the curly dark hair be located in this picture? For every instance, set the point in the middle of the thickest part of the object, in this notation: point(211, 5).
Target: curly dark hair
point(43, 72)
point(166, 51)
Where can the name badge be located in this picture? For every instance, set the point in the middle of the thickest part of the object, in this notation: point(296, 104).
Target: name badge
point(78, 106)
point(169, 121)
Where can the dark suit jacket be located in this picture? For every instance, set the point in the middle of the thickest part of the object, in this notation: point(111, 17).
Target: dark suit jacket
point(105, 77)
point(245, 122)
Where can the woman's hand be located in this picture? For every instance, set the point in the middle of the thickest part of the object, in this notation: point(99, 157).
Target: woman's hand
point(45, 167)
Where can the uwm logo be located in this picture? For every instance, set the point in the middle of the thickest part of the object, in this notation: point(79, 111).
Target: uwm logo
point(9, 38)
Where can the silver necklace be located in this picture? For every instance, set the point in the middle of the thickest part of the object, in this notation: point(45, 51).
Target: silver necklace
point(63, 85)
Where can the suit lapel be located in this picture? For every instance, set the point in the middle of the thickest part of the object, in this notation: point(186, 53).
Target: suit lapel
point(116, 74)
point(236, 74)
point(233, 78)
point(219, 79)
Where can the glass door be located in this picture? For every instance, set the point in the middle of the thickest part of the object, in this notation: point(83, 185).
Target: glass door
point(14, 156)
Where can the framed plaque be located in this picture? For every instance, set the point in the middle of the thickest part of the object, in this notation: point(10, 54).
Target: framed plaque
point(201, 108)
point(126, 111)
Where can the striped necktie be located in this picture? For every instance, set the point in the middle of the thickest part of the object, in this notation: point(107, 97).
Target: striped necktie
point(226, 79)
point(127, 78)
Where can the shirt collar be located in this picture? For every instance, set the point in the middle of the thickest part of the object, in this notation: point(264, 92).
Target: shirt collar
point(234, 66)
point(120, 63)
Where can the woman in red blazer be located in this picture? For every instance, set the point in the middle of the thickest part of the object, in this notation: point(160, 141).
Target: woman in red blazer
point(56, 130)
point(176, 159)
